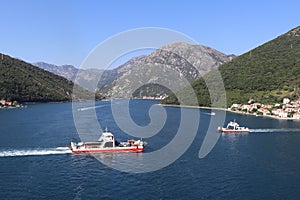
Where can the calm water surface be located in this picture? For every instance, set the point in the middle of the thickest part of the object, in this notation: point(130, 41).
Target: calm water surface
point(264, 164)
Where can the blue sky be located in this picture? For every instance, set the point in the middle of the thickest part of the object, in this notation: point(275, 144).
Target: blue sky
point(65, 31)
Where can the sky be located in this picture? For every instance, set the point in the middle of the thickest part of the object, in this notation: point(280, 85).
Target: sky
point(66, 31)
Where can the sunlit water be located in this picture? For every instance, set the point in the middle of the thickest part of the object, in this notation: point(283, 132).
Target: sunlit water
point(35, 164)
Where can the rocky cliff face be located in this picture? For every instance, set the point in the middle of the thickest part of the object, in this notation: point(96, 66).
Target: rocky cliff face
point(154, 75)
point(203, 58)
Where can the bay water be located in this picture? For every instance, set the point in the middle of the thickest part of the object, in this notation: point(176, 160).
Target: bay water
point(35, 163)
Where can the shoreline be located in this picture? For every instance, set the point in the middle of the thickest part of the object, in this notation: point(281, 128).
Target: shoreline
point(226, 110)
point(187, 106)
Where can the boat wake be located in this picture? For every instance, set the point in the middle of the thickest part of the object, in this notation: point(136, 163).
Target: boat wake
point(35, 152)
point(273, 130)
point(211, 113)
point(89, 108)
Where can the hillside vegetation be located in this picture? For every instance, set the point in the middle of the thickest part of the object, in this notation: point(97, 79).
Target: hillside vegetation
point(267, 73)
point(23, 82)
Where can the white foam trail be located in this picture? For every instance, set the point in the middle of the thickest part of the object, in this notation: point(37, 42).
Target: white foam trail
point(35, 152)
point(89, 108)
point(62, 148)
point(212, 113)
point(273, 130)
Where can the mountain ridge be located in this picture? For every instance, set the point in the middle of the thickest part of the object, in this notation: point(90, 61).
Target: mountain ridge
point(86, 78)
point(190, 61)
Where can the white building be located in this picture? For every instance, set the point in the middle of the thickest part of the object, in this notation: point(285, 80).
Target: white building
point(286, 101)
point(283, 114)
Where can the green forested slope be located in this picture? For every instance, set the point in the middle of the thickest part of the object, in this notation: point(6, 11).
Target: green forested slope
point(267, 73)
point(23, 82)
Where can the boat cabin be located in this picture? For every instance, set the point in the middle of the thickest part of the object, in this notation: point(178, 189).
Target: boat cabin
point(233, 126)
point(108, 140)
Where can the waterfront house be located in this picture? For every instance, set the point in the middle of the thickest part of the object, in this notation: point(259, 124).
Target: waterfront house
point(283, 113)
point(286, 101)
point(3, 102)
point(289, 109)
point(256, 105)
point(267, 106)
point(264, 111)
point(247, 107)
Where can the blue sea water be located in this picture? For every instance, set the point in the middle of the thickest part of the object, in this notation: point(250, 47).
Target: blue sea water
point(264, 164)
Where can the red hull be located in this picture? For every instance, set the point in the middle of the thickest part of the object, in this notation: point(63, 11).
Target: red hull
point(134, 149)
point(234, 131)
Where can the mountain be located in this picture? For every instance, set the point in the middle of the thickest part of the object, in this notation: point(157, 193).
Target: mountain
point(203, 58)
point(111, 75)
point(189, 61)
point(267, 73)
point(23, 82)
point(86, 78)
point(67, 71)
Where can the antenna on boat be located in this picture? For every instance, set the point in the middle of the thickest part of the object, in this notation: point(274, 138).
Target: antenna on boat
point(106, 129)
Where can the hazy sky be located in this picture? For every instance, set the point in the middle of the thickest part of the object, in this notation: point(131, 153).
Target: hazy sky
point(65, 31)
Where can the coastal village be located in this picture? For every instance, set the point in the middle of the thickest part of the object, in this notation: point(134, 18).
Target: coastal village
point(9, 104)
point(288, 109)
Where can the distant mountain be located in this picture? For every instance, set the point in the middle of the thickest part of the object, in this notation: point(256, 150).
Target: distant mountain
point(87, 77)
point(117, 74)
point(23, 82)
point(67, 71)
point(190, 61)
point(267, 73)
point(111, 75)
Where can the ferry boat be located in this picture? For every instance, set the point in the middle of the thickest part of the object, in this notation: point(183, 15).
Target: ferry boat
point(233, 127)
point(107, 143)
